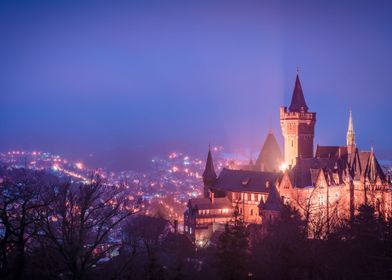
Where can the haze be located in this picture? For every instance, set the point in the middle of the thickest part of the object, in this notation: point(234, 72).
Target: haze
point(112, 83)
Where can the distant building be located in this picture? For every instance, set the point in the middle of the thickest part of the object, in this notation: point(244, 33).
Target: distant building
point(324, 186)
point(204, 216)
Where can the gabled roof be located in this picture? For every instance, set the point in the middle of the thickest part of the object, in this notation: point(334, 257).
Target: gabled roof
point(373, 169)
point(205, 203)
point(365, 164)
point(306, 171)
point(270, 156)
point(245, 181)
point(209, 171)
point(298, 102)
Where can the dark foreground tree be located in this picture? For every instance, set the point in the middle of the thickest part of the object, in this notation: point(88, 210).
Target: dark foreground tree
point(80, 224)
point(368, 245)
point(281, 254)
point(20, 204)
point(143, 238)
point(233, 249)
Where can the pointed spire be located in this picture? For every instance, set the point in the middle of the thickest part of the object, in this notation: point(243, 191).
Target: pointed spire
point(270, 157)
point(373, 169)
point(350, 122)
point(273, 202)
point(350, 131)
point(298, 102)
point(209, 171)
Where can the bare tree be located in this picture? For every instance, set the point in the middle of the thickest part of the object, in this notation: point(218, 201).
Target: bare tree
point(20, 204)
point(320, 217)
point(81, 222)
point(143, 236)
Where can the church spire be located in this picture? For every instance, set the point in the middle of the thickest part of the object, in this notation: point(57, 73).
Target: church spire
point(209, 175)
point(298, 103)
point(209, 171)
point(350, 134)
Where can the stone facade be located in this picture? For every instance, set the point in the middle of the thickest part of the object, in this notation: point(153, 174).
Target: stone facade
point(325, 187)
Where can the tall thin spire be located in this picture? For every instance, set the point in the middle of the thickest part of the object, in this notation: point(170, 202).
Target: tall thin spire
point(209, 171)
point(298, 102)
point(350, 132)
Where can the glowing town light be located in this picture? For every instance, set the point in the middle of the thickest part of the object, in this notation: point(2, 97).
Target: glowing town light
point(55, 167)
point(175, 169)
point(283, 167)
point(172, 155)
point(79, 165)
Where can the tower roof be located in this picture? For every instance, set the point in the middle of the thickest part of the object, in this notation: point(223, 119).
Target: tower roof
point(350, 123)
point(209, 171)
point(273, 202)
point(298, 102)
point(350, 131)
point(270, 156)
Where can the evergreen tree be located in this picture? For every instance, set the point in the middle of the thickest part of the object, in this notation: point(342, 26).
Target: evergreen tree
point(233, 249)
point(281, 254)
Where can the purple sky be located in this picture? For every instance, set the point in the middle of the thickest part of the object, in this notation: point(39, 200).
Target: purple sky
point(101, 76)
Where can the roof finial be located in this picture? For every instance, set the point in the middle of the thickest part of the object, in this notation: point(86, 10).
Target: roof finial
point(297, 69)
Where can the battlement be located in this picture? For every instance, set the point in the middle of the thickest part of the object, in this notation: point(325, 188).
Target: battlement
point(287, 115)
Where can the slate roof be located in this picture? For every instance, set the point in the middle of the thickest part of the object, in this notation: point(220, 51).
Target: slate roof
point(274, 202)
point(205, 203)
point(209, 171)
point(298, 102)
point(270, 156)
point(330, 151)
point(332, 159)
point(306, 171)
point(245, 181)
point(373, 168)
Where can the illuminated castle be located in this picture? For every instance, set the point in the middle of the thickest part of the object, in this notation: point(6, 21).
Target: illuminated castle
point(324, 186)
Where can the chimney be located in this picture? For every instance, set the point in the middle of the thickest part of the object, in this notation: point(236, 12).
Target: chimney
point(212, 197)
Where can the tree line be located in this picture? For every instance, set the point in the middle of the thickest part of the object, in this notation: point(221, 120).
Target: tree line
point(53, 229)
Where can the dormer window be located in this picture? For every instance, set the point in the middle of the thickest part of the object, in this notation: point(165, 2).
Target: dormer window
point(245, 182)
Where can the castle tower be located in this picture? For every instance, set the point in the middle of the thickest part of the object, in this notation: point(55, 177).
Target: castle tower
point(209, 175)
point(350, 135)
point(297, 126)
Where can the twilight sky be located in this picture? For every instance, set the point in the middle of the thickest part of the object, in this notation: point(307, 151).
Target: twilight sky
point(103, 77)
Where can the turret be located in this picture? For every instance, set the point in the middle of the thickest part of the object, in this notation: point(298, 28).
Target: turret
point(270, 210)
point(297, 126)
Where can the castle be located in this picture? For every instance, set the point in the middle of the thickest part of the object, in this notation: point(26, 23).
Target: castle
point(324, 186)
